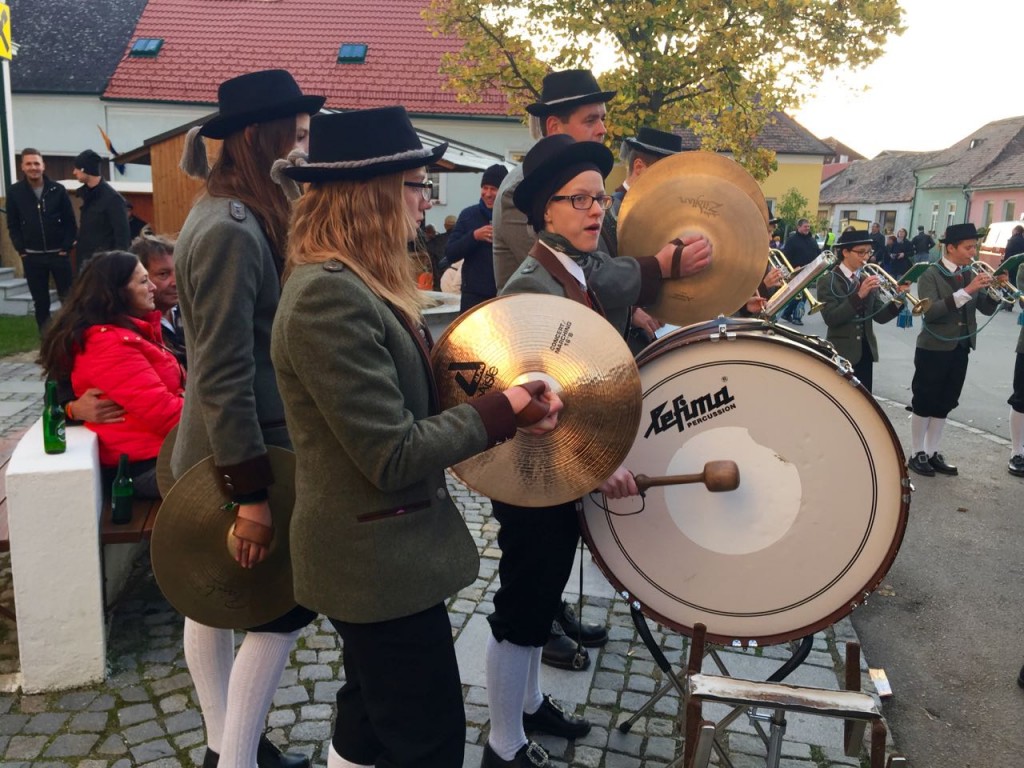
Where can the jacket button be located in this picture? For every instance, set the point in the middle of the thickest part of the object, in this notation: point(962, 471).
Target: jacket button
point(229, 487)
point(442, 494)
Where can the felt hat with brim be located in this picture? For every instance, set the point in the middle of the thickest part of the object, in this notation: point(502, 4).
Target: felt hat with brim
point(957, 233)
point(258, 97)
point(550, 160)
point(852, 238)
point(655, 142)
point(570, 88)
point(363, 144)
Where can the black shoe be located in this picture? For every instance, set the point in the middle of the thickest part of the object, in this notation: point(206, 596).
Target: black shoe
point(592, 635)
point(919, 463)
point(939, 465)
point(267, 756)
point(794, 321)
point(1016, 465)
point(563, 652)
point(530, 755)
point(551, 719)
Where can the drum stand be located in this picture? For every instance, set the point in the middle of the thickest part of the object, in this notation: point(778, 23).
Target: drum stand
point(854, 707)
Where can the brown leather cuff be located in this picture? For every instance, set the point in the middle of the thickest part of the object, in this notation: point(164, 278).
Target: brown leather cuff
point(536, 409)
point(650, 280)
point(250, 530)
point(248, 476)
point(497, 415)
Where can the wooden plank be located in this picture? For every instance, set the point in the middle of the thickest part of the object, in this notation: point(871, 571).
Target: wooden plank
point(5, 531)
point(130, 532)
point(147, 529)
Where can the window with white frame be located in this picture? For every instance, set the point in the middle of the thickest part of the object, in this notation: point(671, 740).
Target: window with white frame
point(1009, 210)
point(439, 195)
point(935, 217)
point(986, 218)
point(950, 213)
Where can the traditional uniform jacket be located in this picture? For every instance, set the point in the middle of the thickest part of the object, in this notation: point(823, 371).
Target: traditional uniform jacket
point(228, 289)
point(849, 318)
point(1020, 336)
point(617, 284)
point(374, 534)
point(944, 324)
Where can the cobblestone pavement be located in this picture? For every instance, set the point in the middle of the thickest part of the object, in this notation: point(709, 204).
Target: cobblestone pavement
point(146, 712)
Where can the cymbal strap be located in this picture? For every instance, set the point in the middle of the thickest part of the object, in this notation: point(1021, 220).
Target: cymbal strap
point(677, 257)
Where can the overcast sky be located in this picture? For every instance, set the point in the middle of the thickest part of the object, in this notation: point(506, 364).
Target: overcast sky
point(956, 68)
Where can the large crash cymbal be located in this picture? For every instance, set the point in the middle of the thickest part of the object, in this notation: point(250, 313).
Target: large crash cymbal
point(513, 339)
point(654, 214)
point(191, 554)
point(702, 163)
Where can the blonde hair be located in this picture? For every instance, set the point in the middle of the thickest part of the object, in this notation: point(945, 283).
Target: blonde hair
point(366, 226)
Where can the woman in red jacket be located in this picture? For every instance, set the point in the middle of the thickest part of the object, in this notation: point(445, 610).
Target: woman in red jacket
point(107, 336)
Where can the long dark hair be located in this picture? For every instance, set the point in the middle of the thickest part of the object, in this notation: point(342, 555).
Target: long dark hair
point(97, 297)
point(242, 171)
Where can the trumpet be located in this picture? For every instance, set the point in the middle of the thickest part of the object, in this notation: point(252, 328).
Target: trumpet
point(777, 259)
point(799, 280)
point(889, 289)
point(998, 290)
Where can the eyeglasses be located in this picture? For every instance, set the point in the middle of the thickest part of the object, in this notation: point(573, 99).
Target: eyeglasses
point(862, 251)
point(426, 188)
point(585, 202)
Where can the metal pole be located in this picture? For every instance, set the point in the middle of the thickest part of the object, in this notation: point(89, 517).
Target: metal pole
point(7, 127)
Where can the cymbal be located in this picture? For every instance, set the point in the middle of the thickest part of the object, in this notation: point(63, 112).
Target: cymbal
point(701, 163)
point(655, 213)
point(512, 339)
point(192, 561)
point(164, 476)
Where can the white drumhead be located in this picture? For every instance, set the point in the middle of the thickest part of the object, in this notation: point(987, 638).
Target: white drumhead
point(819, 513)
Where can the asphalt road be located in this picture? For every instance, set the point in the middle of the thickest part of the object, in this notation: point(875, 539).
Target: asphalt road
point(944, 626)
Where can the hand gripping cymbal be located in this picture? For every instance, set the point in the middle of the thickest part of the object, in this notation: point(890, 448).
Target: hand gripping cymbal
point(513, 339)
point(191, 550)
point(701, 193)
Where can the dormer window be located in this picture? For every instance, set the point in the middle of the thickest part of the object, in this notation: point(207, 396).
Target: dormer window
point(146, 47)
point(352, 53)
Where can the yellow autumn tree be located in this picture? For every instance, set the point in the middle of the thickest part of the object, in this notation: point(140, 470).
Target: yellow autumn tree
point(717, 67)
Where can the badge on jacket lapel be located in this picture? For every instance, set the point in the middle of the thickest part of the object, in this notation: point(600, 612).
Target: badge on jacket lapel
point(333, 265)
point(237, 210)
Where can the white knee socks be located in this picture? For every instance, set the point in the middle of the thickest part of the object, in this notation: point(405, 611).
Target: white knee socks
point(1017, 432)
point(254, 678)
point(508, 669)
point(209, 653)
point(918, 428)
point(933, 436)
point(533, 698)
point(334, 760)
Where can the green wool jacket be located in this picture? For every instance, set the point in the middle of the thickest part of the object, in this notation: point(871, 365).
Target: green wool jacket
point(374, 534)
point(228, 289)
point(844, 314)
point(943, 323)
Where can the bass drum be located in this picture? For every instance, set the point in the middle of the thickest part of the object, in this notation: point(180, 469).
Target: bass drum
point(823, 498)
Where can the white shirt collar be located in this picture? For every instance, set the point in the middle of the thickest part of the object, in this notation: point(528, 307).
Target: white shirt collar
point(949, 265)
point(573, 268)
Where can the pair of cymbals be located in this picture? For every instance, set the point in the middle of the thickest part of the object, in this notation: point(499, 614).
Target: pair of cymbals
point(192, 547)
point(707, 194)
point(509, 340)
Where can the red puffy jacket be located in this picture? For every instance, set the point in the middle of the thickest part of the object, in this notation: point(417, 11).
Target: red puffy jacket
point(134, 370)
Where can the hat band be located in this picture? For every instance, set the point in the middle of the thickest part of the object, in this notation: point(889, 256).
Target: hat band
point(370, 161)
point(570, 98)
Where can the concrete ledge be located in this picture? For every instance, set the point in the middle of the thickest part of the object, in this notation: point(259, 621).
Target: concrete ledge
point(54, 505)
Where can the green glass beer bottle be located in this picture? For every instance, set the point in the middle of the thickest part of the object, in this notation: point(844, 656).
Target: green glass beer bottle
point(121, 494)
point(54, 439)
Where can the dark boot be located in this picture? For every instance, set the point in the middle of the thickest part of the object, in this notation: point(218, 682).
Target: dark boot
point(267, 756)
point(592, 635)
point(563, 652)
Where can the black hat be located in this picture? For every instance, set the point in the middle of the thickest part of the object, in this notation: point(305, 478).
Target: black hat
point(852, 238)
point(362, 144)
point(89, 162)
point(494, 175)
point(552, 162)
point(957, 233)
point(258, 97)
point(570, 88)
point(655, 142)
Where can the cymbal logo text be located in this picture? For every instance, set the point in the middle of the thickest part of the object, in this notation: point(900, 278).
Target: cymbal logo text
point(481, 378)
point(687, 414)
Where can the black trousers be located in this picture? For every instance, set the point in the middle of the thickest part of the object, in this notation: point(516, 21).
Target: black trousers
point(538, 546)
point(938, 380)
point(38, 268)
point(1016, 400)
point(401, 704)
point(470, 300)
point(865, 367)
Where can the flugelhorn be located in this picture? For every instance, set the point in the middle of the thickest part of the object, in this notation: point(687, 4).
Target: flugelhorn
point(998, 290)
point(777, 260)
point(889, 289)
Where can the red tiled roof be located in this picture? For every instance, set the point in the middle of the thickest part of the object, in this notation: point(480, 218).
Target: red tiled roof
point(207, 41)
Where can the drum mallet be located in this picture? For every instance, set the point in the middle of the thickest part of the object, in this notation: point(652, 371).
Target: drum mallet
point(717, 476)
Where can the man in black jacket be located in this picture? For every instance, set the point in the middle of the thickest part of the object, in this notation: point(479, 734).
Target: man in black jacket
point(104, 216)
point(41, 222)
point(923, 244)
point(471, 242)
point(800, 249)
